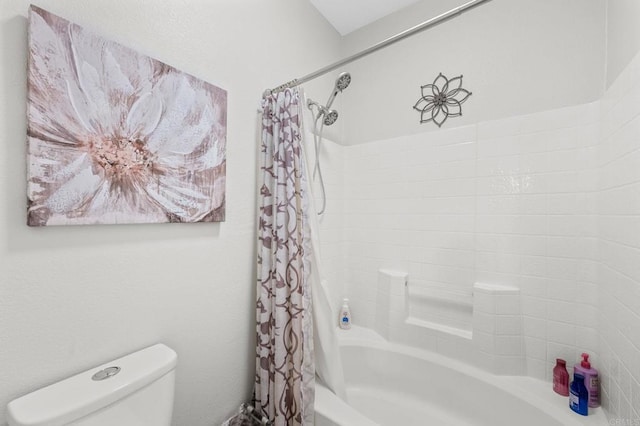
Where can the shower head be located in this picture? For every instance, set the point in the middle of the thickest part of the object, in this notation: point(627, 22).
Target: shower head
point(330, 116)
point(342, 82)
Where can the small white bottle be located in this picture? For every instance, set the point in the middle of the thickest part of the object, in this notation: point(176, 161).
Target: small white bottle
point(345, 315)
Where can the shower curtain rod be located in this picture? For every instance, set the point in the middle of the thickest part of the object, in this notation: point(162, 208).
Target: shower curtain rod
point(400, 36)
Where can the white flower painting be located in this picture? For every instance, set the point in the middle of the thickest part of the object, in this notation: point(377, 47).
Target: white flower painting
point(117, 137)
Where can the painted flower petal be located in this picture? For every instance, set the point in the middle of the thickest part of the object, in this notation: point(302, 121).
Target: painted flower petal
point(190, 186)
point(213, 156)
point(50, 75)
point(189, 119)
point(113, 205)
point(144, 116)
point(53, 168)
point(189, 197)
point(97, 99)
point(75, 190)
point(109, 76)
point(50, 163)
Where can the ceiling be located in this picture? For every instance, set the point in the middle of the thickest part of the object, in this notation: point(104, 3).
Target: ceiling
point(349, 15)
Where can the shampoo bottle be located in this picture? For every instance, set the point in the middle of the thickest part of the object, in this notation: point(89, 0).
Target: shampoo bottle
point(561, 378)
point(578, 395)
point(345, 315)
point(591, 379)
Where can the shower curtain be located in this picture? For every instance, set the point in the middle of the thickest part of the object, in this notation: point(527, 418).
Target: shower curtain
point(295, 323)
point(285, 371)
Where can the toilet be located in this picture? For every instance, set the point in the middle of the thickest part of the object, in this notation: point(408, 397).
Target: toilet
point(135, 390)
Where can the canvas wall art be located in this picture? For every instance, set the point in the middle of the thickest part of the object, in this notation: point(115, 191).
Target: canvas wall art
point(115, 136)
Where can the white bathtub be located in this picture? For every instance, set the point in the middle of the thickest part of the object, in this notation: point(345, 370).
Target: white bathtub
point(391, 385)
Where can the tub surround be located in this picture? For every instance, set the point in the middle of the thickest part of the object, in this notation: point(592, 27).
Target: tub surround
point(391, 383)
point(546, 203)
point(509, 202)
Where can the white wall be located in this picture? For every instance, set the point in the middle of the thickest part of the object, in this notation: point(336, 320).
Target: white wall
point(623, 35)
point(73, 297)
point(517, 57)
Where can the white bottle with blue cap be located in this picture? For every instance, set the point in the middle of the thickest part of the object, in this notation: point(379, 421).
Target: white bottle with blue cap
point(345, 315)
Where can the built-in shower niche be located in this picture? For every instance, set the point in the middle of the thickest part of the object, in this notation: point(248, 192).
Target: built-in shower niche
point(482, 327)
point(439, 308)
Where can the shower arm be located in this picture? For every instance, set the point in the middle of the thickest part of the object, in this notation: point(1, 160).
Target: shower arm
point(381, 45)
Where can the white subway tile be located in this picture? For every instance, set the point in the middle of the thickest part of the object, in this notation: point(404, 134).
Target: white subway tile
point(484, 342)
point(563, 289)
point(484, 360)
point(509, 365)
point(532, 286)
point(566, 312)
point(535, 348)
point(534, 306)
point(536, 368)
point(533, 266)
point(484, 302)
point(483, 321)
point(563, 351)
point(562, 333)
point(509, 325)
point(507, 304)
point(569, 204)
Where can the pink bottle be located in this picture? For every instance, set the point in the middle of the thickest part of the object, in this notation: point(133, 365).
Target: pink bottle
point(591, 379)
point(561, 378)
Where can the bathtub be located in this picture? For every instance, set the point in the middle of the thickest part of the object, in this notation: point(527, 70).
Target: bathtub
point(390, 384)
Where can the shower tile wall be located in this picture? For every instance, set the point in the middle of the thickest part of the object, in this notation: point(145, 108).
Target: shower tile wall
point(536, 226)
point(506, 202)
point(410, 207)
point(548, 202)
point(619, 229)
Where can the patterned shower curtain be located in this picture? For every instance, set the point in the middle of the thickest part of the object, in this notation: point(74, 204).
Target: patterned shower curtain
point(284, 366)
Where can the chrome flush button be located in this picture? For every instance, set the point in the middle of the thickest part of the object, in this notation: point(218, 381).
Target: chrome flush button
point(106, 373)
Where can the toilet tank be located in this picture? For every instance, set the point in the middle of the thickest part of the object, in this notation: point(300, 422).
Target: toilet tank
point(135, 390)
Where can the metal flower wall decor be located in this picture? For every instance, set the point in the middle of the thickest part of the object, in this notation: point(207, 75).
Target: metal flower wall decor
point(441, 99)
point(115, 136)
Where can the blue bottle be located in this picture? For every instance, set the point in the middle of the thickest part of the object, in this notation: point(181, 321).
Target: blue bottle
point(578, 395)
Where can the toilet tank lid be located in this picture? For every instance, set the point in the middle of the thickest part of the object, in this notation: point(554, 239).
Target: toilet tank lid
point(80, 395)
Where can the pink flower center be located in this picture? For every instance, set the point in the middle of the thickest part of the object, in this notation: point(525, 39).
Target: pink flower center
point(122, 159)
